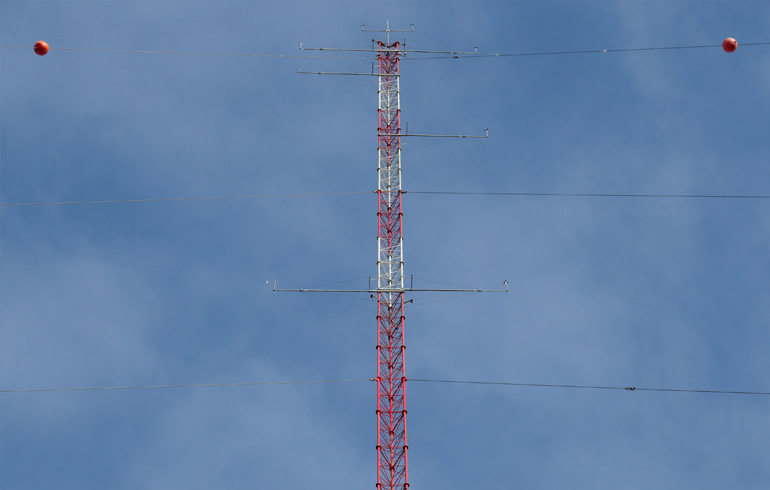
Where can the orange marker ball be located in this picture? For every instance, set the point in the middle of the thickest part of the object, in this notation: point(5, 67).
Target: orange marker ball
point(41, 48)
point(729, 45)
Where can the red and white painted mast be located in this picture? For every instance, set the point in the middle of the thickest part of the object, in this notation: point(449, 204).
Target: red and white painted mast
point(391, 446)
point(391, 373)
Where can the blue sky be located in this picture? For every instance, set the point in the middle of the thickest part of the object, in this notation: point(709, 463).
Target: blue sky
point(621, 292)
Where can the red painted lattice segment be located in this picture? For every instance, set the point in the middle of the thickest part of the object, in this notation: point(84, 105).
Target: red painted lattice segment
point(391, 411)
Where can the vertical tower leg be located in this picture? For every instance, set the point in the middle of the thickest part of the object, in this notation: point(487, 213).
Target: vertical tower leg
point(391, 374)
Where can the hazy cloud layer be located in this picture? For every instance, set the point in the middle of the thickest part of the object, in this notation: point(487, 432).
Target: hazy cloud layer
point(603, 291)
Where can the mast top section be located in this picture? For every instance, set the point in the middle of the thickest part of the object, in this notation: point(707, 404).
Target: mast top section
point(387, 30)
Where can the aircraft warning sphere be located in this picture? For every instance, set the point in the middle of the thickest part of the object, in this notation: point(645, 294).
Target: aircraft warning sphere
point(729, 45)
point(41, 48)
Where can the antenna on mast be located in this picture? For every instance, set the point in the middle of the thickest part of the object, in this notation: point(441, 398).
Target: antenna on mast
point(387, 30)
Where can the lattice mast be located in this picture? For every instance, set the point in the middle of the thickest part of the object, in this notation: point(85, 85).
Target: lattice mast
point(391, 379)
point(391, 373)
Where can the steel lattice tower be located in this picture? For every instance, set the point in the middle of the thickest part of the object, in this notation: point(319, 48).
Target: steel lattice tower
point(391, 378)
point(391, 374)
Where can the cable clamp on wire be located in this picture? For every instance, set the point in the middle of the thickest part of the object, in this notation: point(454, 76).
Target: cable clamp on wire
point(630, 388)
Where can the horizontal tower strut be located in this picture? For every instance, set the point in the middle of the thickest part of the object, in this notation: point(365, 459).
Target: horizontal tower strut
point(398, 51)
point(384, 290)
point(444, 135)
point(387, 29)
point(299, 68)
